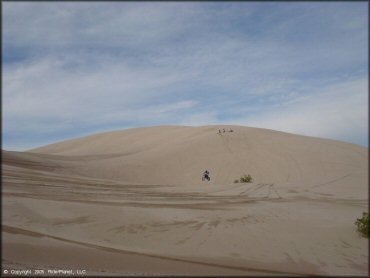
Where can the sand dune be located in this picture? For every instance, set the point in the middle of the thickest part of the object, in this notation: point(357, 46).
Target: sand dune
point(179, 155)
point(137, 196)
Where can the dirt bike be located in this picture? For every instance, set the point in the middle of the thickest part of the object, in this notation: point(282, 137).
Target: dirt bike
point(206, 177)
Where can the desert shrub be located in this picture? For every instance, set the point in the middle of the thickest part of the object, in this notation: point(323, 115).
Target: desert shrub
point(236, 181)
point(246, 178)
point(363, 224)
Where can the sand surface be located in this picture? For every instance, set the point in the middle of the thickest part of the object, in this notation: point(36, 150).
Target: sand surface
point(132, 203)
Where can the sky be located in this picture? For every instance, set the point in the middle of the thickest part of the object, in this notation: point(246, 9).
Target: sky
point(72, 69)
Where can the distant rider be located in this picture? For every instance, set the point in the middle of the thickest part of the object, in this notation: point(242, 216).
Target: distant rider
point(206, 175)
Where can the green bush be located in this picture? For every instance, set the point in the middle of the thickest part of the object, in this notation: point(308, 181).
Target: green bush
point(363, 224)
point(246, 178)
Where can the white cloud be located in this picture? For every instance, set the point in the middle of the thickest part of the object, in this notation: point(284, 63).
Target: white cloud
point(50, 87)
point(104, 24)
point(200, 119)
point(337, 111)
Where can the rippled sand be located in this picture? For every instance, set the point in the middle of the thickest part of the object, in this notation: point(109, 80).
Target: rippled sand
point(132, 203)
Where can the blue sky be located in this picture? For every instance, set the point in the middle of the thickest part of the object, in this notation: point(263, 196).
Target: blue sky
point(77, 68)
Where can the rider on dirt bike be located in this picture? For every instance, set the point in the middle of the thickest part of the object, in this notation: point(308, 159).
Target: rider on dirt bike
point(206, 176)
